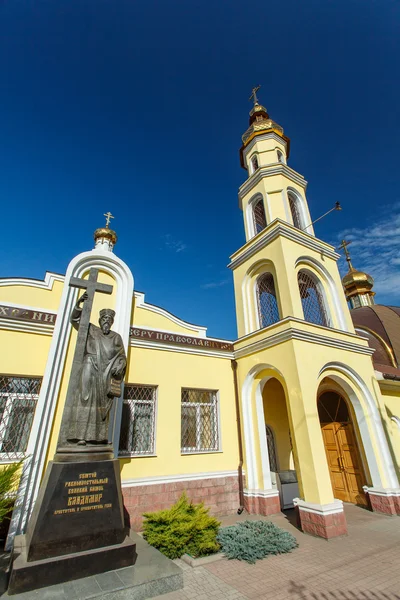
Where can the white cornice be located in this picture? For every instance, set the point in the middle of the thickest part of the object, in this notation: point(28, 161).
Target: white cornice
point(270, 171)
point(140, 302)
point(275, 229)
point(305, 336)
point(137, 343)
point(175, 478)
point(46, 284)
point(26, 326)
point(319, 509)
point(259, 138)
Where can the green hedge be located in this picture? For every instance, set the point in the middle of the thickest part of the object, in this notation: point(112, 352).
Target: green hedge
point(183, 528)
point(252, 540)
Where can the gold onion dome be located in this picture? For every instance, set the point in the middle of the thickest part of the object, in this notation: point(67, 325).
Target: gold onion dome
point(105, 233)
point(357, 279)
point(104, 236)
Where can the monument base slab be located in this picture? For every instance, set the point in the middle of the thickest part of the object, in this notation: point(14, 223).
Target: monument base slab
point(26, 576)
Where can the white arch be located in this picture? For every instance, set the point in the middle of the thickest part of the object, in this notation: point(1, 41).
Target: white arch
point(305, 220)
point(345, 373)
point(44, 415)
point(248, 429)
point(396, 420)
point(327, 278)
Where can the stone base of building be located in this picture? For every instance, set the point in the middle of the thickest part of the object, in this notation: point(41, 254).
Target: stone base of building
point(219, 492)
point(383, 500)
point(262, 502)
point(322, 520)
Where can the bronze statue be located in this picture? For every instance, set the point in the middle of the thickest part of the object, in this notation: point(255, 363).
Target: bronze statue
point(99, 381)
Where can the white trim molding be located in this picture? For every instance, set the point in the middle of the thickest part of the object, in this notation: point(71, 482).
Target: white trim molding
point(299, 334)
point(137, 343)
point(26, 327)
point(385, 492)
point(274, 230)
point(271, 493)
point(396, 420)
point(333, 508)
point(46, 284)
point(140, 303)
point(269, 171)
point(176, 478)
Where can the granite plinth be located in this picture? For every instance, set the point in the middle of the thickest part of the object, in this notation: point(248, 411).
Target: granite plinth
point(76, 528)
point(31, 575)
point(152, 575)
point(79, 508)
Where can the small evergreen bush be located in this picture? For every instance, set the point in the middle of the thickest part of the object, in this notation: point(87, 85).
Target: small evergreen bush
point(9, 477)
point(251, 540)
point(183, 528)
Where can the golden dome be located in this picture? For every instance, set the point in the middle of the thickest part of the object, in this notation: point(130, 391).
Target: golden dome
point(257, 108)
point(105, 233)
point(357, 279)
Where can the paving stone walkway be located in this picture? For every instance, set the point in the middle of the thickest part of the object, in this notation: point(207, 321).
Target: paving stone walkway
point(365, 565)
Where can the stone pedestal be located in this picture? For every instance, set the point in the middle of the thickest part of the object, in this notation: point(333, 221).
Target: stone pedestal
point(76, 528)
point(262, 502)
point(384, 500)
point(322, 520)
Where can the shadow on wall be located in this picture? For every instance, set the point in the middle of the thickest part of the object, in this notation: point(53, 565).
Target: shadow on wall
point(300, 592)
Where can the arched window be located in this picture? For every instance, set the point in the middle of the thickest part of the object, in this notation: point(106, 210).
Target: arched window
point(312, 299)
point(254, 163)
point(280, 157)
point(268, 311)
point(258, 214)
point(273, 463)
point(294, 205)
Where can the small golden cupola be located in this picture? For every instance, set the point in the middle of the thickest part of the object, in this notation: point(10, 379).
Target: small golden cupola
point(357, 284)
point(259, 124)
point(104, 237)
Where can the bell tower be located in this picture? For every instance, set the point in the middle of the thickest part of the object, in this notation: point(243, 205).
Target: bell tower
point(280, 239)
point(296, 340)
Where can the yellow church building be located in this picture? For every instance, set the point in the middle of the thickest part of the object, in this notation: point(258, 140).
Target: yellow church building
point(302, 409)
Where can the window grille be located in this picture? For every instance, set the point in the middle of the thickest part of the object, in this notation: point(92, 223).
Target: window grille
point(268, 311)
point(138, 420)
point(280, 159)
point(312, 299)
point(294, 209)
point(273, 464)
point(259, 220)
point(18, 399)
point(199, 421)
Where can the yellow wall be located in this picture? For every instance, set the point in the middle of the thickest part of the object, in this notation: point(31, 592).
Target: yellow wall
point(147, 318)
point(391, 403)
point(23, 353)
point(27, 295)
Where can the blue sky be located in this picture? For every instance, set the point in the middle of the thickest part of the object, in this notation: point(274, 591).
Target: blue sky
point(139, 107)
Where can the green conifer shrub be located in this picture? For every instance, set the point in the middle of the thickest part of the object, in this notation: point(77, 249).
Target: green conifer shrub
point(183, 528)
point(9, 476)
point(252, 540)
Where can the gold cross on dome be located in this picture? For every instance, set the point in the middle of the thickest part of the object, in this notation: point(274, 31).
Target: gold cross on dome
point(254, 94)
point(347, 253)
point(108, 217)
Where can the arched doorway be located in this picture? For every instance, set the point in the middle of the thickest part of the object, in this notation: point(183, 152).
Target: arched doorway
point(342, 452)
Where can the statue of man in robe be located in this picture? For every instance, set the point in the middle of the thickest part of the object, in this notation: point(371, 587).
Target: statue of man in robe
point(100, 379)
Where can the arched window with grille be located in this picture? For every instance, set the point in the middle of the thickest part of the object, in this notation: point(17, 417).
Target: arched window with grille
point(258, 215)
point(295, 209)
point(268, 311)
point(312, 299)
point(280, 157)
point(273, 463)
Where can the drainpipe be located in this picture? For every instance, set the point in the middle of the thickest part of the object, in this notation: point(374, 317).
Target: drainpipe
point(239, 432)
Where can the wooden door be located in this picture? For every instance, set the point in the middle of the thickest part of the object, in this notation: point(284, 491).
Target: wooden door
point(344, 462)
